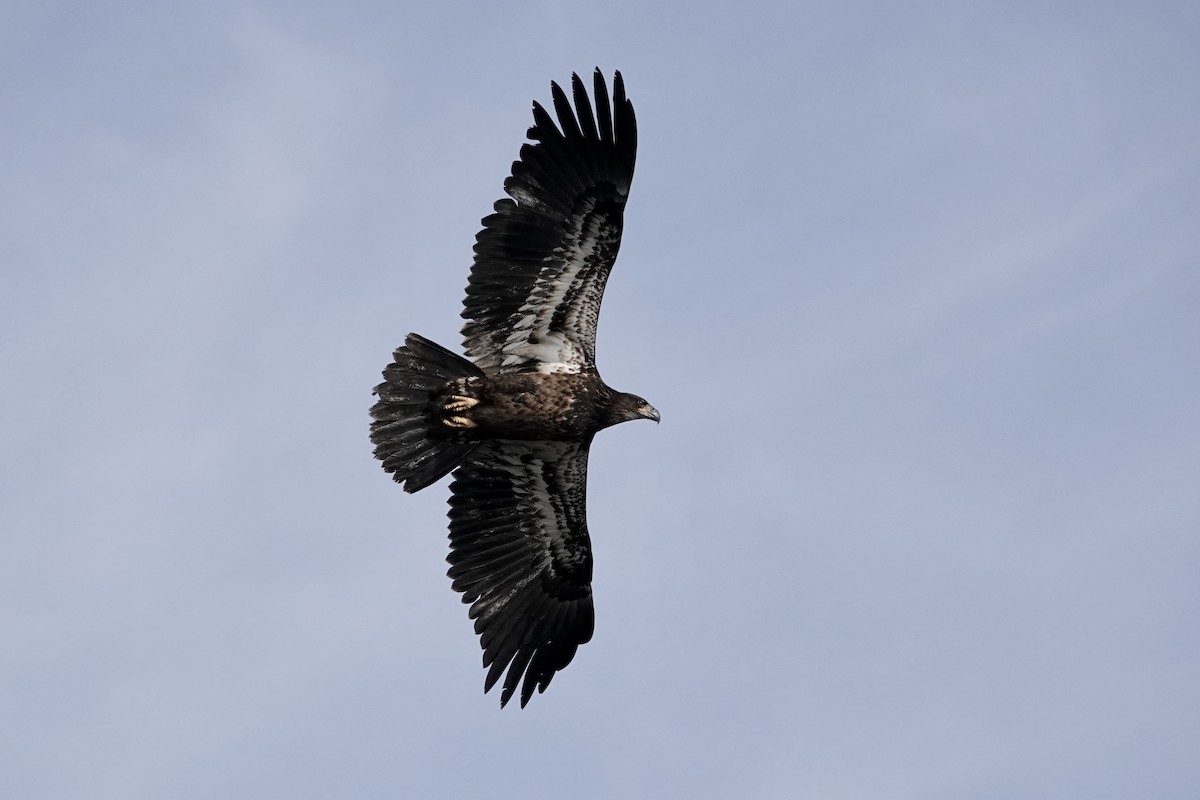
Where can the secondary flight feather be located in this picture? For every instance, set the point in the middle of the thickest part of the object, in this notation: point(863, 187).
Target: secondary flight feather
point(515, 419)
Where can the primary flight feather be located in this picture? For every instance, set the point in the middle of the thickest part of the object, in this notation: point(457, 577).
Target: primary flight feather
point(515, 422)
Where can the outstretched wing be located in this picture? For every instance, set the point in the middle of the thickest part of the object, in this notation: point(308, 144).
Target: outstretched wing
point(543, 257)
point(520, 554)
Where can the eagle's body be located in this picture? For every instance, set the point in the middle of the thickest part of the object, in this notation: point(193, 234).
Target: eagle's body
point(515, 422)
point(558, 407)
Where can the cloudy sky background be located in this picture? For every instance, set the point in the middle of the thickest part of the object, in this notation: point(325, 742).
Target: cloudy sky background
point(915, 288)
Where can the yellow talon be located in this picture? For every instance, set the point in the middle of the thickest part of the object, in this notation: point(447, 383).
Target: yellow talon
point(459, 403)
point(459, 422)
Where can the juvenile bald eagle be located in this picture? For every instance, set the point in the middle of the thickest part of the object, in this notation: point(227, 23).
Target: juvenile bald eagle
point(516, 421)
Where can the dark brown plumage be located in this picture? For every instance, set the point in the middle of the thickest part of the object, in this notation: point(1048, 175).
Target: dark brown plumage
point(515, 422)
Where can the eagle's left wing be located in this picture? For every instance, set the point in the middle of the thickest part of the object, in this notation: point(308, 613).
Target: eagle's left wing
point(543, 257)
point(520, 554)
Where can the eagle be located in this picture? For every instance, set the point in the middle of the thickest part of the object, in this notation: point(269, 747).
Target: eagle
point(514, 419)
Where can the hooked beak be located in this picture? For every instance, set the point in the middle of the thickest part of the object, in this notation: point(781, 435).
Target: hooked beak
point(650, 412)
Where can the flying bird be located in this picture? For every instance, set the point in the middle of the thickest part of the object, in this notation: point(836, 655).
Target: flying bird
point(515, 419)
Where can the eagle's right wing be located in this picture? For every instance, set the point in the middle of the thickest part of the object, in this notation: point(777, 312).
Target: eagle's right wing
point(521, 556)
point(543, 258)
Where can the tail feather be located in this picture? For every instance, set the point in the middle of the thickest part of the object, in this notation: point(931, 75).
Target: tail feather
point(407, 440)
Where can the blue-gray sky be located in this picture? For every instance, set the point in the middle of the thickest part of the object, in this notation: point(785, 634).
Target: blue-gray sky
point(915, 288)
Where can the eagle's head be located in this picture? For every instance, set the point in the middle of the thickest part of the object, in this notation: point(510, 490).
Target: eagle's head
point(629, 406)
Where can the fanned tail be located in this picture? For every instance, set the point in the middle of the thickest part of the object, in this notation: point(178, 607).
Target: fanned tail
point(409, 442)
